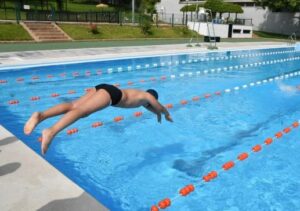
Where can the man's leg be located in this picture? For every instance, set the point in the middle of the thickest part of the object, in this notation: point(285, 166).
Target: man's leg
point(99, 100)
point(38, 117)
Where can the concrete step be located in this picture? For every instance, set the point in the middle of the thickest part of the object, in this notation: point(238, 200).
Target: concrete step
point(41, 27)
point(45, 31)
point(49, 40)
point(38, 23)
point(51, 37)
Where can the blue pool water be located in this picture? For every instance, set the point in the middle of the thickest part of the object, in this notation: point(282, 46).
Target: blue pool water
point(133, 164)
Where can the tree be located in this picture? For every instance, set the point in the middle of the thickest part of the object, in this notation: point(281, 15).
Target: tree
point(216, 6)
point(191, 8)
point(280, 5)
point(148, 6)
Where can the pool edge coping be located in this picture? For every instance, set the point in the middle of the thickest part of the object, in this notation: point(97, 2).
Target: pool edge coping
point(26, 175)
point(187, 51)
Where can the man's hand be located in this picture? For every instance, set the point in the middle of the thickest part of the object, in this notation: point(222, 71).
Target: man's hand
point(169, 118)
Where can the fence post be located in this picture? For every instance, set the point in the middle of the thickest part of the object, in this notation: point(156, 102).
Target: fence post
point(53, 18)
point(17, 6)
point(186, 18)
point(121, 18)
point(4, 4)
point(172, 19)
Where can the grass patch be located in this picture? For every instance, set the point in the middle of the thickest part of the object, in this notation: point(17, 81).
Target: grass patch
point(13, 32)
point(10, 14)
point(114, 32)
point(270, 35)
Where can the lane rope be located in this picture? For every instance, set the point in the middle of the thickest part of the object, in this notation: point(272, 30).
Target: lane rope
point(172, 77)
point(186, 190)
point(199, 58)
point(139, 114)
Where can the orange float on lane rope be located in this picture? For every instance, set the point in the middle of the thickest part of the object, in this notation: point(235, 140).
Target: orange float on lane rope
point(268, 141)
point(164, 203)
point(97, 124)
point(210, 176)
point(13, 102)
point(40, 139)
point(138, 114)
point(256, 148)
point(118, 118)
point(183, 102)
point(218, 93)
point(163, 77)
point(54, 95)
point(187, 190)
point(207, 95)
point(243, 156)
point(72, 131)
point(154, 208)
point(296, 124)
point(278, 135)
point(169, 106)
point(287, 130)
point(196, 98)
point(34, 98)
point(228, 165)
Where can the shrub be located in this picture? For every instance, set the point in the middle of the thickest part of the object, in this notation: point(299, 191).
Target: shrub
point(185, 31)
point(146, 26)
point(94, 28)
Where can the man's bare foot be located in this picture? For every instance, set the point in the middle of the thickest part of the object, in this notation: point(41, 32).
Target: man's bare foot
point(32, 122)
point(47, 136)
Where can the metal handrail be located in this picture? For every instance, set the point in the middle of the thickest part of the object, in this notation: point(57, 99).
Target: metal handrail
point(292, 38)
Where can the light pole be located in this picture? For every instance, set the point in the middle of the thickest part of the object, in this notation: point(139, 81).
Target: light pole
point(133, 5)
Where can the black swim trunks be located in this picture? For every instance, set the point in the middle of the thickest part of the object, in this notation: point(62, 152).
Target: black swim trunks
point(114, 92)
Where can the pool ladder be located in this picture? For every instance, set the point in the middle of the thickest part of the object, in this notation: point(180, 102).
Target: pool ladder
point(292, 39)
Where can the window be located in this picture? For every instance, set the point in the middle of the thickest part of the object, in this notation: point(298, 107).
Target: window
point(236, 31)
point(246, 31)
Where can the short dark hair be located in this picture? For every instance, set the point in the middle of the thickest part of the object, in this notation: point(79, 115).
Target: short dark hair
point(153, 93)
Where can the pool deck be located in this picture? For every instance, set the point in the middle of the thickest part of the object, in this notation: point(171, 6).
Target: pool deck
point(27, 181)
point(10, 59)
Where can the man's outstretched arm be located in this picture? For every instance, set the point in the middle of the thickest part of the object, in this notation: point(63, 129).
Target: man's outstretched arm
point(158, 109)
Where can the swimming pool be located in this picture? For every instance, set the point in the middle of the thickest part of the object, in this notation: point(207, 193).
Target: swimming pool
point(134, 163)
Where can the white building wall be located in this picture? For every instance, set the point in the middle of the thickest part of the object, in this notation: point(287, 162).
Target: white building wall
point(242, 33)
point(221, 30)
point(275, 22)
point(262, 19)
point(169, 6)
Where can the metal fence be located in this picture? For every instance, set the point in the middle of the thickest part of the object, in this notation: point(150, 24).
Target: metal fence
point(183, 18)
point(109, 17)
point(113, 17)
